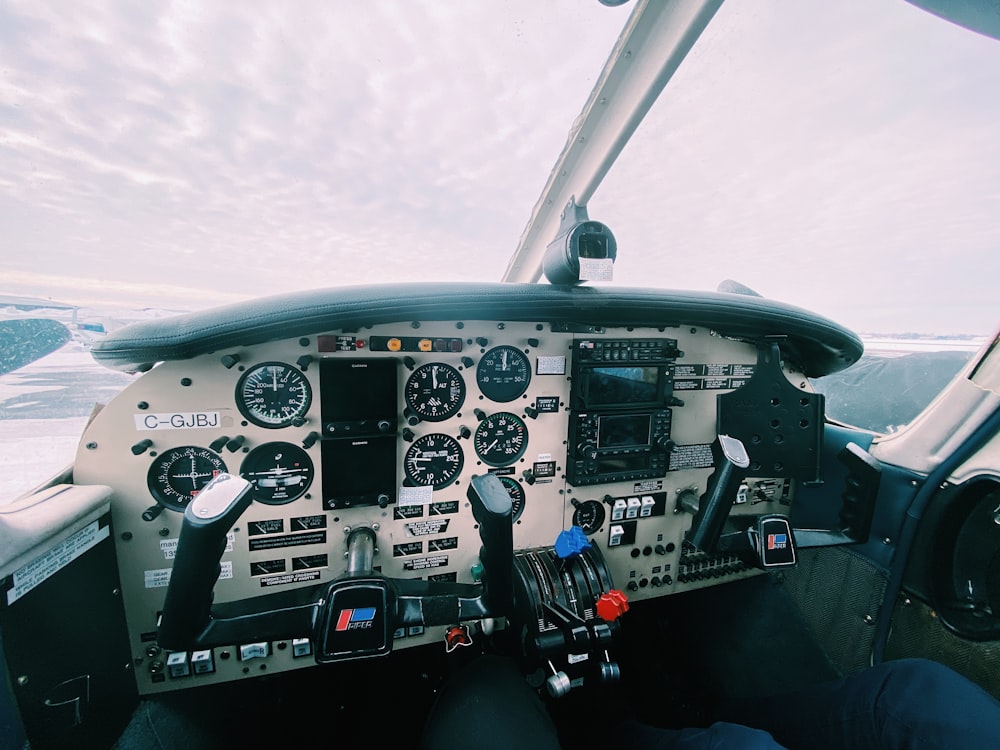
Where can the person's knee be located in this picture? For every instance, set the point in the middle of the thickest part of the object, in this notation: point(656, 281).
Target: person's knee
point(915, 682)
point(725, 736)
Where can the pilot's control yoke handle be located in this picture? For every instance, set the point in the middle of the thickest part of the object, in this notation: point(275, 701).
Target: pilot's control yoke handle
point(197, 561)
point(190, 622)
point(491, 507)
point(731, 464)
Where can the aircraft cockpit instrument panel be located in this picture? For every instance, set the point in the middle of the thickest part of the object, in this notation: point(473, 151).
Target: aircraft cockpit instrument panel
point(607, 428)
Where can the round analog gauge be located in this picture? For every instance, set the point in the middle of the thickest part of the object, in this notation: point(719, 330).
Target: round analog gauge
point(273, 394)
point(516, 492)
point(503, 373)
point(588, 515)
point(279, 472)
point(177, 476)
point(500, 439)
point(433, 460)
point(435, 391)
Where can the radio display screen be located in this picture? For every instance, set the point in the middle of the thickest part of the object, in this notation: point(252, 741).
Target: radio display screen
point(626, 462)
point(622, 385)
point(623, 431)
point(355, 389)
point(356, 472)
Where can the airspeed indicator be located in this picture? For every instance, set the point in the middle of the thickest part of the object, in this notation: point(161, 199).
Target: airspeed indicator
point(273, 395)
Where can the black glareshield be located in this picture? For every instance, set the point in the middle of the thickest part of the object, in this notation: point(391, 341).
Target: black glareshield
point(731, 464)
point(207, 520)
point(491, 508)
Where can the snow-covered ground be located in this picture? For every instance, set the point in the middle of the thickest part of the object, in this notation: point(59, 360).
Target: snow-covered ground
point(43, 410)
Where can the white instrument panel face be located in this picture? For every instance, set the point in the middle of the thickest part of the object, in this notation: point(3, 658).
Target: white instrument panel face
point(385, 427)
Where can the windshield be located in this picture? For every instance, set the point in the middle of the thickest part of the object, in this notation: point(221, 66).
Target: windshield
point(841, 157)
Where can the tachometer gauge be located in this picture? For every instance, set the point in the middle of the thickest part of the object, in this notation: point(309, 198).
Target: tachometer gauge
point(435, 391)
point(433, 460)
point(516, 492)
point(273, 394)
point(279, 472)
point(500, 439)
point(503, 373)
point(177, 476)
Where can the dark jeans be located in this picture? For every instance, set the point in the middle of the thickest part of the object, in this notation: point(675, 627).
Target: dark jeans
point(911, 704)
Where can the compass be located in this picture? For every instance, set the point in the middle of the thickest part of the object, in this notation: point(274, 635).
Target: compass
point(177, 476)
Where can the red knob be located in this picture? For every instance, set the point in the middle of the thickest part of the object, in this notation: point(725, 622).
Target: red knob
point(611, 605)
point(458, 635)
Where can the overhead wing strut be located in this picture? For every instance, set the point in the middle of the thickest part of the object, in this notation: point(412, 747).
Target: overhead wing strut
point(657, 37)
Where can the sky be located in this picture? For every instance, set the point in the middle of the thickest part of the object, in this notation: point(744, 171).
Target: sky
point(838, 156)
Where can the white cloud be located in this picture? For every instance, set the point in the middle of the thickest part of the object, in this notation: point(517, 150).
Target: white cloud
point(214, 150)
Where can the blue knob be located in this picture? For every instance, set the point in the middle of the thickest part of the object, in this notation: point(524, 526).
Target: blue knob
point(572, 542)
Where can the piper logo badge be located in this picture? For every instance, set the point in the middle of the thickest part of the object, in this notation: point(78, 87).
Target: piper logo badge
point(355, 619)
point(777, 541)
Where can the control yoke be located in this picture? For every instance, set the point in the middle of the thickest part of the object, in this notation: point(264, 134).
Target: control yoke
point(350, 617)
point(731, 464)
point(772, 539)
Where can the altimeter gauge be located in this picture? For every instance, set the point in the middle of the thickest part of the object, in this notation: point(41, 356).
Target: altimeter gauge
point(177, 476)
point(435, 391)
point(273, 394)
point(280, 472)
point(433, 460)
point(500, 439)
point(503, 373)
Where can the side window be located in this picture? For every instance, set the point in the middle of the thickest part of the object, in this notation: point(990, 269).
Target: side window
point(885, 389)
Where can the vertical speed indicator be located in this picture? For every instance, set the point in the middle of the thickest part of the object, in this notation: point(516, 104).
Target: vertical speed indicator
point(433, 460)
point(503, 373)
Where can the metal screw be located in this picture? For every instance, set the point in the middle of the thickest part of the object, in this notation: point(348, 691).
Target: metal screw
point(886, 541)
point(22, 680)
point(869, 619)
point(375, 526)
point(91, 446)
